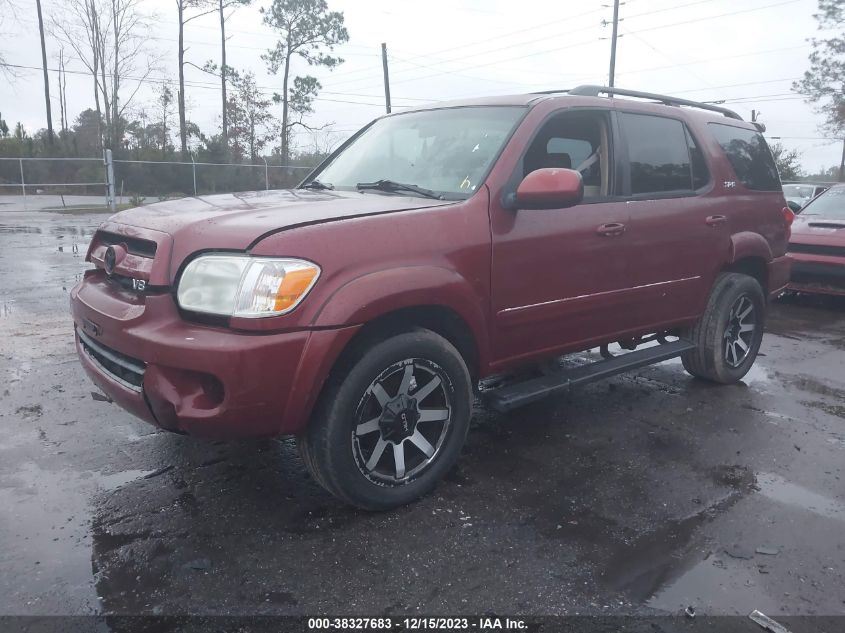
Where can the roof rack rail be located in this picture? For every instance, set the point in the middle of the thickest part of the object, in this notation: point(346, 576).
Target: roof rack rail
point(595, 91)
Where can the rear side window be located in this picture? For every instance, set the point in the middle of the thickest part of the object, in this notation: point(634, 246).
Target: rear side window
point(750, 156)
point(663, 155)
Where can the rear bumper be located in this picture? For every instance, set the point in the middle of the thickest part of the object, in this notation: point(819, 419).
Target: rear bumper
point(195, 379)
point(778, 275)
point(822, 274)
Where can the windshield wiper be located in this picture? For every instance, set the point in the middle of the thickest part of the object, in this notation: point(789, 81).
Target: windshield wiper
point(395, 187)
point(316, 184)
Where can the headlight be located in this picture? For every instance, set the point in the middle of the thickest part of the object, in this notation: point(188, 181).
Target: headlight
point(244, 286)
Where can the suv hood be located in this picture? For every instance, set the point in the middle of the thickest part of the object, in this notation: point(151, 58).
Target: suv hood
point(155, 240)
point(237, 220)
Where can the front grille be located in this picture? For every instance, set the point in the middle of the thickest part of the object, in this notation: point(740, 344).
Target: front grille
point(817, 249)
point(123, 369)
point(135, 245)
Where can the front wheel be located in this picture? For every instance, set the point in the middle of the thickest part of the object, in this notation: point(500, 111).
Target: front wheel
point(393, 424)
point(728, 335)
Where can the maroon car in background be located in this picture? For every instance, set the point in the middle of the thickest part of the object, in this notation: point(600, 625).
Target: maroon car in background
point(817, 245)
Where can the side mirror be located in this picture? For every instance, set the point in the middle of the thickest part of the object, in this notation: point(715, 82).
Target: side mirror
point(549, 188)
point(794, 206)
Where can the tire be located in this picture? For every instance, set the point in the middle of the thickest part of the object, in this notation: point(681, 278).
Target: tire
point(721, 334)
point(391, 422)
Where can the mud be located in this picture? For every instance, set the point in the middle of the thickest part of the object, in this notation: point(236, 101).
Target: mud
point(644, 494)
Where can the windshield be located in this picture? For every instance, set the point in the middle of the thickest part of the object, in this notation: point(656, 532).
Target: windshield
point(798, 191)
point(448, 151)
point(830, 204)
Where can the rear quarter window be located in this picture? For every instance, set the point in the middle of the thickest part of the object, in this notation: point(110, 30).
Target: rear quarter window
point(749, 155)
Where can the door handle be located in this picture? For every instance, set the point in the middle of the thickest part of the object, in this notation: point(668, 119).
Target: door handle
point(611, 229)
point(715, 220)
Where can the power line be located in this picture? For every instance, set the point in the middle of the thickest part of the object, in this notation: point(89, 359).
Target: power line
point(664, 9)
point(214, 86)
point(720, 15)
point(663, 54)
point(587, 42)
point(745, 83)
point(714, 59)
point(559, 35)
point(457, 74)
point(507, 35)
point(791, 95)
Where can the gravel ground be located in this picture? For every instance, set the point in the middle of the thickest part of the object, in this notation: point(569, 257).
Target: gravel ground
point(643, 494)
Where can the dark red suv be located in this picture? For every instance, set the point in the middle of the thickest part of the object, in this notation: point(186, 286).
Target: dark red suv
point(436, 248)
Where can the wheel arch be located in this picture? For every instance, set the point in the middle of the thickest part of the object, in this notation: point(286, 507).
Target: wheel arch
point(750, 255)
point(438, 299)
point(439, 319)
point(752, 266)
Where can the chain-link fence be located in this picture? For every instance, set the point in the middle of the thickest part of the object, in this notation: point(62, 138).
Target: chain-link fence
point(92, 184)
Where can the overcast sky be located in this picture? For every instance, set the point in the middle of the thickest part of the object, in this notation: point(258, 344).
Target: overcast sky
point(747, 53)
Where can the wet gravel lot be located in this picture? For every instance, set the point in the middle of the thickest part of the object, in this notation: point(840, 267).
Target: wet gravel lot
point(643, 494)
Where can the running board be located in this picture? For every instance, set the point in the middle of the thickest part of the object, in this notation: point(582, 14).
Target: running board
point(535, 389)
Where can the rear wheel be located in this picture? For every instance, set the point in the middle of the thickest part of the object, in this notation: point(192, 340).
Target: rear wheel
point(391, 426)
point(729, 333)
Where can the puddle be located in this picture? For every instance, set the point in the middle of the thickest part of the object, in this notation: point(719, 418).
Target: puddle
point(715, 586)
point(46, 516)
point(5, 228)
point(779, 489)
point(114, 481)
point(758, 376)
point(639, 568)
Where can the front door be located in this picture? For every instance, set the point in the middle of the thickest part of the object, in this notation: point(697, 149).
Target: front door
point(560, 276)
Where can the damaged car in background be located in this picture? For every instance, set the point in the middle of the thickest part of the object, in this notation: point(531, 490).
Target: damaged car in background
point(817, 245)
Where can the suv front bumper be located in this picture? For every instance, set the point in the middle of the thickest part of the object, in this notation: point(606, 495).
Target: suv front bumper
point(201, 380)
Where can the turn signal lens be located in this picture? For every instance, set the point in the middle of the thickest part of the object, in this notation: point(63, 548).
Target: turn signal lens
point(294, 285)
point(788, 216)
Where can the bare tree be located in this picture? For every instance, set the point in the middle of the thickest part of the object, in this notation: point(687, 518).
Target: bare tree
point(249, 113)
point(164, 102)
point(182, 6)
point(223, 5)
point(324, 141)
point(788, 162)
point(46, 76)
point(8, 11)
point(305, 28)
point(108, 37)
point(824, 83)
point(62, 76)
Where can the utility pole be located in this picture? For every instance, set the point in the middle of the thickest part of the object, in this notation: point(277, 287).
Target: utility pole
point(46, 77)
point(842, 164)
point(223, 77)
point(613, 38)
point(386, 77)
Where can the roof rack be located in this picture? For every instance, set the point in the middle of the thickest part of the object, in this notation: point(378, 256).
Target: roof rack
point(595, 91)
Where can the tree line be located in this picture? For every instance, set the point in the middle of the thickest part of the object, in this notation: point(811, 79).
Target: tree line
point(109, 39)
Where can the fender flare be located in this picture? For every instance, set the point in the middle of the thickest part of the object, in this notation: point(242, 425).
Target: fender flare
point(749, 244)
point(375, 294)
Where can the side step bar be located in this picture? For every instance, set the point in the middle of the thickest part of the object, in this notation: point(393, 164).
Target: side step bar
point(522, 393)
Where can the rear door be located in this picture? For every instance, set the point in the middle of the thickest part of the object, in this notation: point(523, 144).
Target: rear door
point(677, 233)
